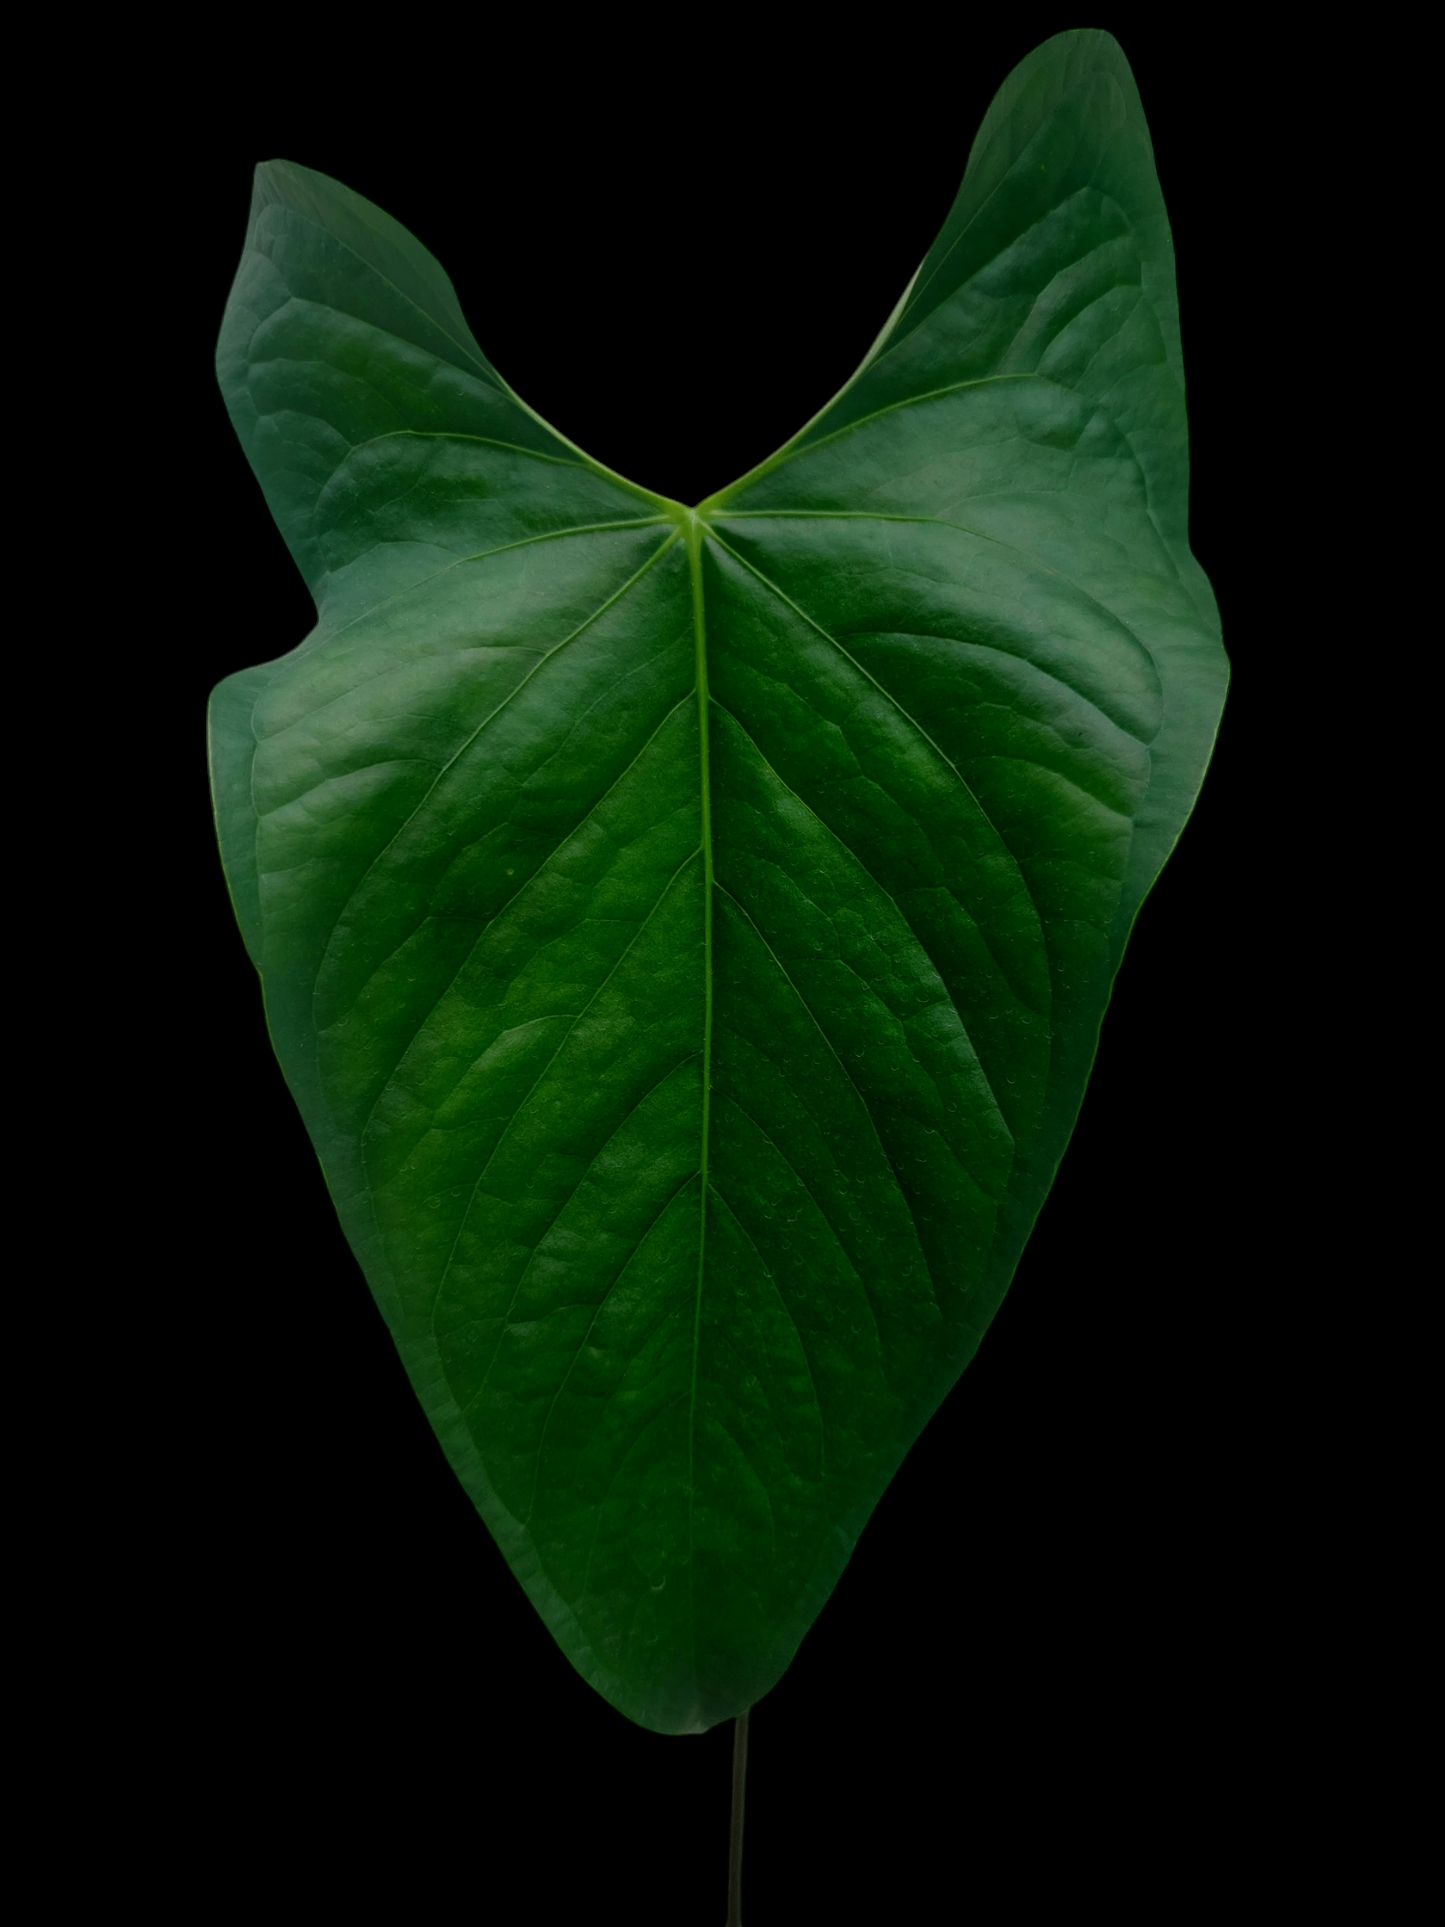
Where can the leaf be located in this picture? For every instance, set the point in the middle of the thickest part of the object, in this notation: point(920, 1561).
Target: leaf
point(686, 931)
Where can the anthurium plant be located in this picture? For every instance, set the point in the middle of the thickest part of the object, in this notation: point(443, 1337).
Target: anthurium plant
point(686, 927)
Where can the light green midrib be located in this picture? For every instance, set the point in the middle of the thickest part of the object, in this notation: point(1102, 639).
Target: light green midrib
point(693, 534)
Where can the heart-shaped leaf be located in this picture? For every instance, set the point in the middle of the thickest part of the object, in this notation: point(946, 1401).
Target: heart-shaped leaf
point(686, 931)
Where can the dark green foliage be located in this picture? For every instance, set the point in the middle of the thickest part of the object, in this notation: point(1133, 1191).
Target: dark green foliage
point(686, 931)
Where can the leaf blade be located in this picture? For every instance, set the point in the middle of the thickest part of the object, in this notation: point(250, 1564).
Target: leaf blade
point(686, 933)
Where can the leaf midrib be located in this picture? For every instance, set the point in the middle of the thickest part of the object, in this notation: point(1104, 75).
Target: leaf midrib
point(693, 531)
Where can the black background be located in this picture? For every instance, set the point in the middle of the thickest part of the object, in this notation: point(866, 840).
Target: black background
point(1064, 1656)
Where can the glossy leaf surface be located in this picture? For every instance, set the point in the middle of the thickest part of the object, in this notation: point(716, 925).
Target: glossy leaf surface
point(686, 931)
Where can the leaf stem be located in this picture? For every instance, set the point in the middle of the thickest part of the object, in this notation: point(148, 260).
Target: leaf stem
point(735, 1839)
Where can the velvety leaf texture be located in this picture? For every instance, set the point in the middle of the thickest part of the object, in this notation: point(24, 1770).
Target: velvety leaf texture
point(686, 931)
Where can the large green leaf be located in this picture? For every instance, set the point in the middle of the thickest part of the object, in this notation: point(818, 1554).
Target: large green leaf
point(686, 931)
